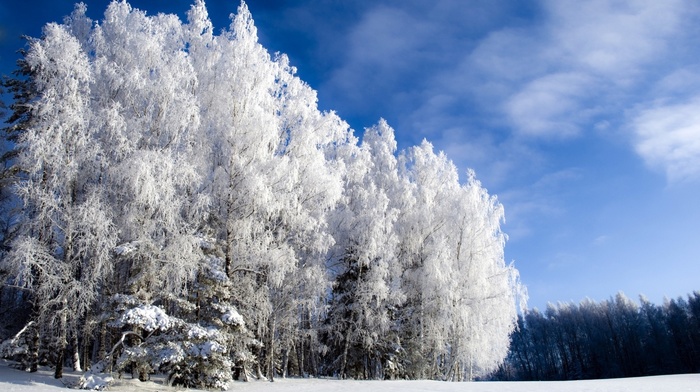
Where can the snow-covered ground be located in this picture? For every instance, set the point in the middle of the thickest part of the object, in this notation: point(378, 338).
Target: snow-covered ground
point(12, 380)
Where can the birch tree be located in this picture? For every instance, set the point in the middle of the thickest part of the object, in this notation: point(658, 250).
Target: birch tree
point(461, 295)
point(149, 117)
point(62, 255)
point(365, 293)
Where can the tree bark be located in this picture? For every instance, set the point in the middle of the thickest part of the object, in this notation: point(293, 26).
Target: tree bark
point(76, 353)
point(61, 344)
point(285, 361)
point(300, 357)
point(344, 361)
point(58, 372)
point(34, 350)
point(271, 352)
point(314, 365)
point(103, 342)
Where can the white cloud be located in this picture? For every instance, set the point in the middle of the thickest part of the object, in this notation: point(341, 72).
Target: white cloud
point(565, 69)
point(394, 55)
point(554, 78)
point(550, 106)
point(681, 83)
point(611, 38)
point(494, 161)
point(386, 52)
point(510, 55)
point(548, 76)
point(668, 138)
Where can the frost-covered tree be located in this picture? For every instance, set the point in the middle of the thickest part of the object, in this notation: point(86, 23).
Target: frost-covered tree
point(273, 178)
point(433, 180)
point(461, 295)
point(485, 286)
point(239, 118)
point(63, 251)
point(310, 185)
point(172, 174)
point(365, 292)
point(149, 115)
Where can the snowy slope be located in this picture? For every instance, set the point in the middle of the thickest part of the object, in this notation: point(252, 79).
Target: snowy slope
point(12, 380)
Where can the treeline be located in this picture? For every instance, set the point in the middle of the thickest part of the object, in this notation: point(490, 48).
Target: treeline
point(180, 205)
point(613, 338)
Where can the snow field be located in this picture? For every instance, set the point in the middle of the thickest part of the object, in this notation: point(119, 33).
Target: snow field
point(13, 380)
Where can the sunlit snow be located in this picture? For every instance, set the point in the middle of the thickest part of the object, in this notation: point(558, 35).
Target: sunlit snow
point(13, 380)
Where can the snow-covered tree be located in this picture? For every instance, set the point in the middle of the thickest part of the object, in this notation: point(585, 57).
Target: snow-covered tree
point(149, 115)
point(173, 174)
point(486, 288)
point(461, 295)
point(272, 177)
point(365, 292)
point(63, 252)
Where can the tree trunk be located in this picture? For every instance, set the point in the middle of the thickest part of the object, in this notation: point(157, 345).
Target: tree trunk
point(271, 352)
point(365, 366)
point(34, 343)
point(88, 343)
point(103, 344)
point(344, 360)
point(61, 344)
point(244, 370)
point(258, 369)
point(471, 368)
point(76, 353)
point(285, 361)
point(300, 357)
point(58, 372)
point(312, 356)
point(143, 374)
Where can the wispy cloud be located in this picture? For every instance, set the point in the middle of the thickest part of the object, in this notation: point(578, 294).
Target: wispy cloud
point(396, 53)
point(551, 106)
point(666, 130)
point(384, 51)
point(550, 71)
point(557, 76)
point(611, 38)
point(601, 240)
point(668, 138)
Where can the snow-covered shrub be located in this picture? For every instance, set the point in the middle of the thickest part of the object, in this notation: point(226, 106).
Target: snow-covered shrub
point(191, 354)
point(94, 382)
point(16, 346)
point(197, 339)
point(146, 317)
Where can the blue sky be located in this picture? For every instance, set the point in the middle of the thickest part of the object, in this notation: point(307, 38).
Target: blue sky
point(582, 116)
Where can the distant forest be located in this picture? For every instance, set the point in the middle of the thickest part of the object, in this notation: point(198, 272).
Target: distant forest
point(613, 338)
